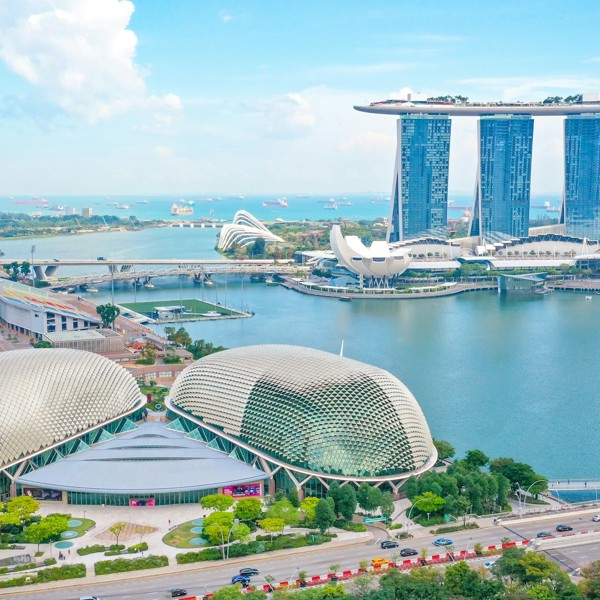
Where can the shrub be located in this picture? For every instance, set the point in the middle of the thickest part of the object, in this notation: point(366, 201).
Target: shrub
point(396, 526)
point(357, 527)
point(115, 547)
point(14, 582)
point(3, 570)
point(137, 548)
point(112, 553)
point(49, 561)
point(121, 565)
point(452, 528)
point(91, 549)
point(58, 573)
point(25, 566)
point(202, 555)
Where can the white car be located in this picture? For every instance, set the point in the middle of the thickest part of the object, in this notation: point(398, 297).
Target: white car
point(596, 518)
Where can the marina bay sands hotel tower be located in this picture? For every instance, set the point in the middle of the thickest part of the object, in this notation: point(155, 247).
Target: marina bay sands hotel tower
point(419, 201)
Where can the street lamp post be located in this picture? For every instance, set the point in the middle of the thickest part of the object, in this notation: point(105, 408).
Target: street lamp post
point(538, 481)
point(410, 512)
point(518, 494)
point(32, 269)
point(296, 569)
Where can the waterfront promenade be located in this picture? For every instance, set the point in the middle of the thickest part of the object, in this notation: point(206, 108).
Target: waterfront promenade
point(430, 291)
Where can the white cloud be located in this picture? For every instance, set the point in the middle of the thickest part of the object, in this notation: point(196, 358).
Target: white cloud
point(163, 151)
point(225, 16)
point(370, 143)
point(80, 54)
point(287, 116)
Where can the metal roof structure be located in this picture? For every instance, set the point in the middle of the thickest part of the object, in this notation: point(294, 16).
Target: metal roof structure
point(48, 396)
point(149, 459)
point(315, 412)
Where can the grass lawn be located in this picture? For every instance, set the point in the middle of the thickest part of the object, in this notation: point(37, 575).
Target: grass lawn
point(180, 537)
point(86, 525)
point(192, 307)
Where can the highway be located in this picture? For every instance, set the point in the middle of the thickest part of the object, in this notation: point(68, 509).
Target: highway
point(574, 551)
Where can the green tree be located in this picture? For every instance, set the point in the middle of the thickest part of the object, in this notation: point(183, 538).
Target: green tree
point(180, 337)
point(229, 592)
point(284, 509)
point(462, 507)
point(590, 586)
point(272, 525)
point(219, 501)
point(147, 355)
point(219, 518)
point(36, 533)
point(476, 459)
point(334, 493)
point(42, 344)
point(347, 502)
point(324, 515)
point(429, 503)
point(117, 529)
point(309, 506)
point(248, 509)
point(444, 449)
point(108, 313)
point(23, 507)
point(7, 519)
point(293, 497)
point(387, 505)
point(49, 528)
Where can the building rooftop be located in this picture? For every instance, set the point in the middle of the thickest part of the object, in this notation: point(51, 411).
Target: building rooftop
point(149, 459)
point(406, 107)
point(79, 336)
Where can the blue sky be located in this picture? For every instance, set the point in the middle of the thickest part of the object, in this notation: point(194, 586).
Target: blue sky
point(195, 96)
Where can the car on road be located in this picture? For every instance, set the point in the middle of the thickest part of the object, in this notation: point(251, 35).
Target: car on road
point(249, 571)
point(543, 534)
point(89, 598)
point(596, 518)
point(177, 592)
point(389, 544)
point(379, 562)
point(244, 580)
point(489, 564)
point(408, 552)
point(563, 528)
point(442, 542)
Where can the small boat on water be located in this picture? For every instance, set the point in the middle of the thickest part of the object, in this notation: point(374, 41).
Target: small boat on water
point(90, 288)
point(588, 298)
point(149, 285)
point(181, 209)
point(345, 299)
point(278, 203)
point(271, 281)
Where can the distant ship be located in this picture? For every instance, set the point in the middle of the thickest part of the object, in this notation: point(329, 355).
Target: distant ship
point(142, 202)
point(123, 206)
point(279, 203)
point(345, 203)
point(181, 210)
point(57, 207)
point(331, 205)
point(549, 208)
point(188, 202)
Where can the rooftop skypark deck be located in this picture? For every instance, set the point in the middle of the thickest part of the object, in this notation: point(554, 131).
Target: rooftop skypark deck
point(590, 103)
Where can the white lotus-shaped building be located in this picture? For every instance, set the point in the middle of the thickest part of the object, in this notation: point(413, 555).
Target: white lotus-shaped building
point(244, 230)
point(378, 261)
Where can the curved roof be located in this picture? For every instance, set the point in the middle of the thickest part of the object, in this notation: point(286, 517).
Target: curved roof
point(380, 260)
point(309, 409)
point(150, 459)
point(244, 230)
point(465, 110)
point(50, 395)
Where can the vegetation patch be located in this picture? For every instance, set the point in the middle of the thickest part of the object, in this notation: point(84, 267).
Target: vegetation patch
point(122, 565)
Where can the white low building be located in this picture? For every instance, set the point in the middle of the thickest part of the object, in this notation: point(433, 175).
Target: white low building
point(379, 261)
point(244, 230)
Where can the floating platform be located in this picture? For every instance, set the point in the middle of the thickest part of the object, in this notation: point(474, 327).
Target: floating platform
point(179, 311)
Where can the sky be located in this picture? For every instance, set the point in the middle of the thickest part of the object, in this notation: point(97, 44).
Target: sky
point(203, 97)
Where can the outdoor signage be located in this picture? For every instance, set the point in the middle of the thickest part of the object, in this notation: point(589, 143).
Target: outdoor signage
point(141, 502)
point(43, 494)
point(243, 491)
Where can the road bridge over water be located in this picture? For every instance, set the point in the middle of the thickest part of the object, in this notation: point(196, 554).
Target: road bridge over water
point(574, 485)
point(148, 268)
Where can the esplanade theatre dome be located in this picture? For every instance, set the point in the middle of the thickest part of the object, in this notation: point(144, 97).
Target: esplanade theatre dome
point(310, 411)
point(50, 395)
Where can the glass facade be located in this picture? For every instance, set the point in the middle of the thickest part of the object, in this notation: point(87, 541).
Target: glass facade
point(582, 176)
point(502, 193)
point(419, 202)
point(164, 499)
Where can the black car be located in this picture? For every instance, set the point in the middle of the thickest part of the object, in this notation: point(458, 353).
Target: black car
point(177, 592)
point(249, 571)
point(543, 534)
point(408, 552)
point(563, 528)
point(389, 544)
